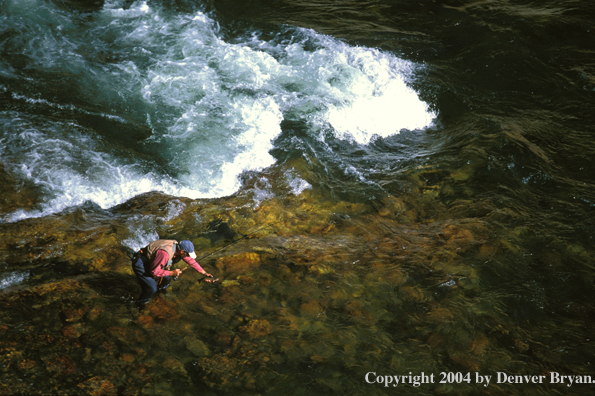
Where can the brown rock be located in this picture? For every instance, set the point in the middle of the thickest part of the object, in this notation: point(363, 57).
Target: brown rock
point(27, 364)
point(98, 386)
point(239, 263)
point(94, 313)
point(480, 344)
point(126, 357)
point(196, 346)
point(257, 328)
point(521, 346)
point(73, 314)
point(175, 365)
point(469, 362)
point(311, 308)
point(435, 340)
point(439, 315)
point(145, 321)
point(74, 331)
point(139, 371)
point(61, 364)
point(413, 293)
point(163, 310)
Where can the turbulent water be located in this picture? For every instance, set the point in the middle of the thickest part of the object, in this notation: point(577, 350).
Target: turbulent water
point(122, 101)
point(483, 108)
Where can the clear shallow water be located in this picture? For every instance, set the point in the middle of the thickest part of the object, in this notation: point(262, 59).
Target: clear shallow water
point(426, 171)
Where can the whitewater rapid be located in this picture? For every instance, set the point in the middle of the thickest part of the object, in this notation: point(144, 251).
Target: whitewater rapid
point(214, 105)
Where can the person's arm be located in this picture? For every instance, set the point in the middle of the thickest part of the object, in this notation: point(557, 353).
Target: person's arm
point(194, 264)
point(160, 261)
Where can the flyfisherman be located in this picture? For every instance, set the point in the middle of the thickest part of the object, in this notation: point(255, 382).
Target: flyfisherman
point(151, 265)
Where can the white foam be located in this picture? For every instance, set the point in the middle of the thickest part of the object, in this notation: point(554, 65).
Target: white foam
point(360, 92)
point(262, 191)
point(116, 8)
point(67, 107)
point(142, 232)
point(215, 108)
point(12, 279)
point(367, 115)
point(233, 97)
point(71, 168)
point(298, 186)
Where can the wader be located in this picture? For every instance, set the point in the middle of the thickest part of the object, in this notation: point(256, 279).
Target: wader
point(141, 265)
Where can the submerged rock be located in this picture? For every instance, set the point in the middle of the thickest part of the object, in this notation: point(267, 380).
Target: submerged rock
point(257, 328)
point(174, 365)
point(196, 346)
point(97, 386)
point(74, 331)
point(239, 263)
point(325, 288)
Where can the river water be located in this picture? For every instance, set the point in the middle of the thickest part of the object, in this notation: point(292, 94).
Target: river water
point(411, 185)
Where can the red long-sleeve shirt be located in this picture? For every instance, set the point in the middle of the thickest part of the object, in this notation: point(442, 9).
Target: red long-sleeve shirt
point(161, 259)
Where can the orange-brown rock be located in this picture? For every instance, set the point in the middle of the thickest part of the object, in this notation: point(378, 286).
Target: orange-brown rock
point(73, 331)
point(73, 314)
point(480, 344)
point(521, 346)
point(163, 310)
point(138, 371)
point(257, 328)
point(311, 309)
point(175, 366)
point(414, 293)
point(60, 364)
point(127, 357)
point(487, 250)
point(98, 386)
point(468, 362)
point(439, 315)
point(145, 320)
point(94, 312)
point(239, 263)
point(458, 238)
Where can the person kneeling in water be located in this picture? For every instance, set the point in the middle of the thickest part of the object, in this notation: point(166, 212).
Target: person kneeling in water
point(151, 262)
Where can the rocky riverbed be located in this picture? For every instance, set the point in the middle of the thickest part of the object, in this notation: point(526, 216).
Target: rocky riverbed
point(315, 293)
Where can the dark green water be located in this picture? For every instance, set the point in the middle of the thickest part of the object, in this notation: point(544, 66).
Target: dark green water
point(424, 172)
